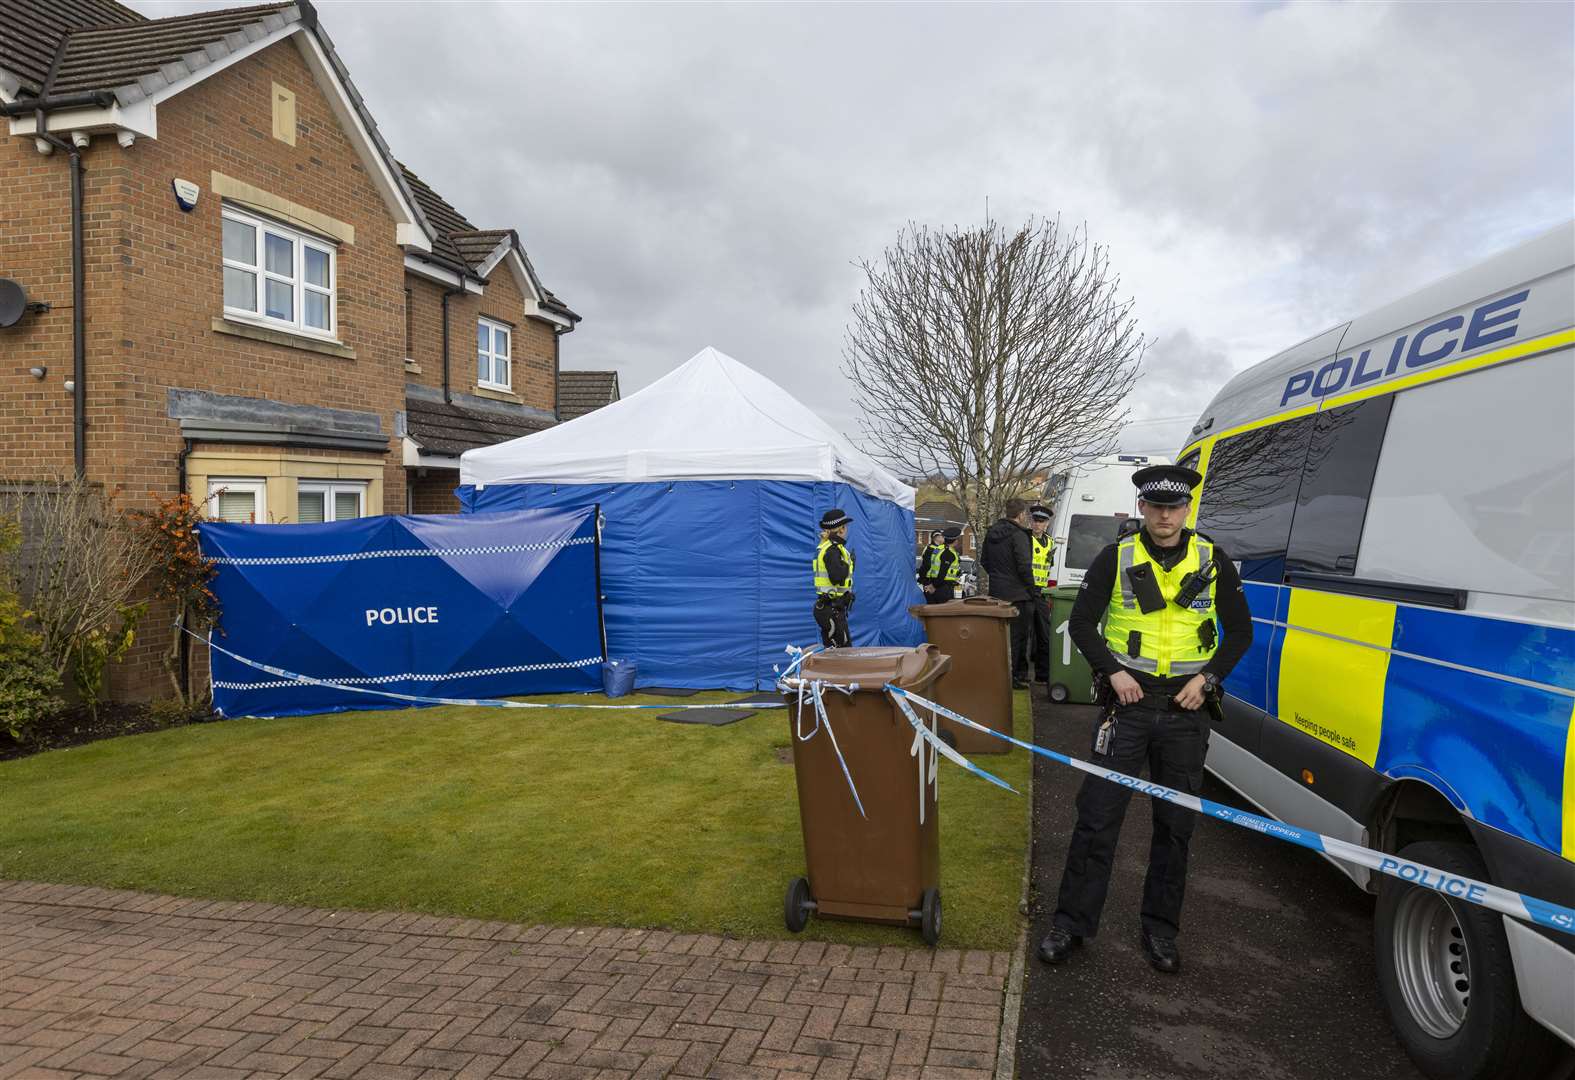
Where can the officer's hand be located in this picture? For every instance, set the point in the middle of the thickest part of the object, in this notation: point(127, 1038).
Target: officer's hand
point(1127, 690)
point(1191, 695)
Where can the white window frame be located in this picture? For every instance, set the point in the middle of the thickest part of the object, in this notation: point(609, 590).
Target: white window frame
point(256, 485)
point(300, 287)
point(494, 358)
point(330, 490)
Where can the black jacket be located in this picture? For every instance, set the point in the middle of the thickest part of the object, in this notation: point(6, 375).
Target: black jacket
point(1008, 558)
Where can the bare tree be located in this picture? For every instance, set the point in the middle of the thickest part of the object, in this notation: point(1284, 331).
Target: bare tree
point(80, 570)
point(984, 357)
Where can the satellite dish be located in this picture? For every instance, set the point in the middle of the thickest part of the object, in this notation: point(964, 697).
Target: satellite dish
point(13, 301)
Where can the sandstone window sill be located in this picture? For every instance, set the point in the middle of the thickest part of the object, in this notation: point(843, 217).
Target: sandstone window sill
point(412, 367)
point(497, 395)
point(236, 328)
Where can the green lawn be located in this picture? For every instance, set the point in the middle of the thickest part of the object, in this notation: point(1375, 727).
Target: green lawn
point(567, 816)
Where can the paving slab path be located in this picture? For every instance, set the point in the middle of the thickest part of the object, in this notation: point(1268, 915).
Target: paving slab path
point(100, 982)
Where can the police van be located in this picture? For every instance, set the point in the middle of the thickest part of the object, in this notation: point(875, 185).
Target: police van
point(1399, 493)
point(1088, 504)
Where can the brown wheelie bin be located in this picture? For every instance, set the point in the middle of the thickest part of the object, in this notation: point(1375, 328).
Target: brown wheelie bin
point(885, 866)
point(974, 633)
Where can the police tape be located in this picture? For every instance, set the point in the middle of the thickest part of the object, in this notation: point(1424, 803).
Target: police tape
point(1505, 901)
point(491, 703)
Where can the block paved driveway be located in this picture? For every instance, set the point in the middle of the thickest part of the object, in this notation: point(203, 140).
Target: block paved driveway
point(96, 982)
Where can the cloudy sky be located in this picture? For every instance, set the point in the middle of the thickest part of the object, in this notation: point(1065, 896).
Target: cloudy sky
point(692, 175)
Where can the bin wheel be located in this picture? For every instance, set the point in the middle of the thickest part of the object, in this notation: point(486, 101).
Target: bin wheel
point(1059, 693)
point(930, 916)
point(796, 907)
point(949, 739)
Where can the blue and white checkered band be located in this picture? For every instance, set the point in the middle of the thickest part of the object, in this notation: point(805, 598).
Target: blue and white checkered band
point(1164, 487)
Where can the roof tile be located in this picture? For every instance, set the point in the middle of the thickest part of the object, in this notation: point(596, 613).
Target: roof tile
point(449, 428)
point(580, 392)
point(31, 32)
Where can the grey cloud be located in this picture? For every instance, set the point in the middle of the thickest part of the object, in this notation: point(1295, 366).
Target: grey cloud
point(687, 175)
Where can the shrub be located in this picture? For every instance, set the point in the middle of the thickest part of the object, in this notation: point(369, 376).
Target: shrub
point(181, 574)
point(28, 684)
point(78, 572)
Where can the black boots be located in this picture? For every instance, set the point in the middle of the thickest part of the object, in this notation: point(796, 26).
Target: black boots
point(1161, 952)
point(1058, 945)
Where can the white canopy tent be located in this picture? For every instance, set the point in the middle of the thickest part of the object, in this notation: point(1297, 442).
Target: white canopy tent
point(711, 483)
point(712, 418)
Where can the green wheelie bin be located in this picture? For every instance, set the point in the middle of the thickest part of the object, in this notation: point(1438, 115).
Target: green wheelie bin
point(1071, 679)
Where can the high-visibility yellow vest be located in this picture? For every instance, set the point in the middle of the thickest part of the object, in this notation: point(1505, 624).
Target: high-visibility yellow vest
point(954, 571)
point(1172, 640)
point(1043, 547)
point(932, 562)
point(823, 584)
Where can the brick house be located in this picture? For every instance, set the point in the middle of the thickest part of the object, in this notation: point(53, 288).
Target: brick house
point(935, 514)
point(272, 311)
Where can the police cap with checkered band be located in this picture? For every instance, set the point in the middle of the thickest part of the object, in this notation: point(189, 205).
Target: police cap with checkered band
point(1166, 485)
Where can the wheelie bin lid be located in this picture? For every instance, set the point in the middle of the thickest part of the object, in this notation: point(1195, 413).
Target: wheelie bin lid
point(987, 607)
point(874, 666)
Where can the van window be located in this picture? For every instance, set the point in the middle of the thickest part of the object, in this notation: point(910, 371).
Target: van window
point(1086, 536)
point(1341, 458)
point(1249, 495)
point(1475, 487)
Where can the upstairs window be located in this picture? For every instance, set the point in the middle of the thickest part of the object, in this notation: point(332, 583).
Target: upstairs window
point(492, 354)
point(276, 276)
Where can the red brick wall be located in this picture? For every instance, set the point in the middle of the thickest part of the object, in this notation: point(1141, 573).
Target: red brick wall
point(434, 492)
point(154, 285)
point(35, 249)
point(532, 373)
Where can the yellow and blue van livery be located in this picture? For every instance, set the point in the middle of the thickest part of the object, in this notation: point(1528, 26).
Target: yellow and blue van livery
point(1399, 494)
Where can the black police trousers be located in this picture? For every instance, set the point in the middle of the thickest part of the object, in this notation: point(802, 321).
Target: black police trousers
point(1022, 638)
point(831, 615)
point(1042, 636)
point(943, 594)
point(1172, 743)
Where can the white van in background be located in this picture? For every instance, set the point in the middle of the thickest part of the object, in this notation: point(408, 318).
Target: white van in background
point(1089, 502)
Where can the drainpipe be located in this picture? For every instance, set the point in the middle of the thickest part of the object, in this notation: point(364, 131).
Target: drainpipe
point(185, 639)
point(78, 323)
point(448, 397)
point(557, 348)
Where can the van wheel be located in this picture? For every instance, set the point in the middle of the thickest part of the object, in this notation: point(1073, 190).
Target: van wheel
point(1447, 979)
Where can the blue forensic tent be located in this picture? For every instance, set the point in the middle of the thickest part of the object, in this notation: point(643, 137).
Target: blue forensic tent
point(458, 606)
point(711, 483)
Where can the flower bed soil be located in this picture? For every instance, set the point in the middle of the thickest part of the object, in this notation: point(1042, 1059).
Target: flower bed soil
point(73, 725)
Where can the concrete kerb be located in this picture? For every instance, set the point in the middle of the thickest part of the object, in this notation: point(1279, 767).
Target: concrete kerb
point(1012, 1007)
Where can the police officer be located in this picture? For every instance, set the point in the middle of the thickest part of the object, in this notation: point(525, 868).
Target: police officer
point(1043, 549)
point(948, 569)
point(1165, 594)
point(930, 566)
point(833, 580)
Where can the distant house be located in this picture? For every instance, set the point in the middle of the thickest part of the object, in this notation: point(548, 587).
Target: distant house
point(932, 515)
